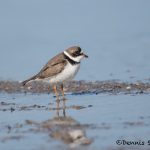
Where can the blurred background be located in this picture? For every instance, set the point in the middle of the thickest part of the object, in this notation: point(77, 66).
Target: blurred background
point(115, 34)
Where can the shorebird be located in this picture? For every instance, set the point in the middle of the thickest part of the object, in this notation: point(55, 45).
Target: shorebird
point(61, 68)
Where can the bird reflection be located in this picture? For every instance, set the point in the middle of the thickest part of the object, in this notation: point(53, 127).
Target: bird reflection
point(63, 127)
point(67, 128)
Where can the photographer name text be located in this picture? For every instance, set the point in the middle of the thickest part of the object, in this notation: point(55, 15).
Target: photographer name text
point(132, 143)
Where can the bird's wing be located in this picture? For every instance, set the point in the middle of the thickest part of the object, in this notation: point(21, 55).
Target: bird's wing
point(53, 67)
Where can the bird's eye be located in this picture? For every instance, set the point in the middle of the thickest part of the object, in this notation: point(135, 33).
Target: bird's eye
point(77, 53)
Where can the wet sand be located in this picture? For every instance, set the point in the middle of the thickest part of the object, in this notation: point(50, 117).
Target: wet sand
point(78, 87)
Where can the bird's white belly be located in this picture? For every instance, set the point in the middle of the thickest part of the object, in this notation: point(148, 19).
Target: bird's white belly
point(66, 75)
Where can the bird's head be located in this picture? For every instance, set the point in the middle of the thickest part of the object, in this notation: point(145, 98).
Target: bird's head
point(75, 53)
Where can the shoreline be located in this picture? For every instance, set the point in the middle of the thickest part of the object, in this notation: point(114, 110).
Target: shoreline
point(79, 87)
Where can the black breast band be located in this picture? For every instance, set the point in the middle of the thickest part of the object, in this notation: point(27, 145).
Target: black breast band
point(72, 62)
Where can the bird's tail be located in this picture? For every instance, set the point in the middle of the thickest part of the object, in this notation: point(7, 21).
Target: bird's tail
point(28, 80)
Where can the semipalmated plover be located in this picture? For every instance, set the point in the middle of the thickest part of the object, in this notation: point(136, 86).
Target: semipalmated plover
point(63, 67)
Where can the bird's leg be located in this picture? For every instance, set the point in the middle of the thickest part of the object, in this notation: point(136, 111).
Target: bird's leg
point(62, 90)
point(55, 91)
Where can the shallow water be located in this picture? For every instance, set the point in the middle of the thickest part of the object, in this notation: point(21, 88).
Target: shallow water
point(110, 118)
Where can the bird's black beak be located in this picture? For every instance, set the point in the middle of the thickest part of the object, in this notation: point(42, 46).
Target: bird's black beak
point(86, 56)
